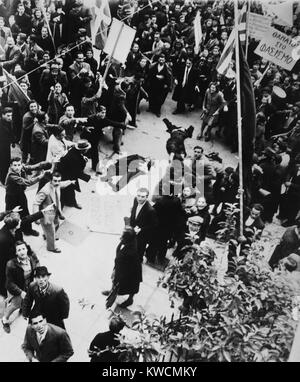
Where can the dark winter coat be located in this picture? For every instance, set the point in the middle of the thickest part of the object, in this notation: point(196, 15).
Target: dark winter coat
point(187, 93)
point(54, 305)
point(72, 166)
point(128, 269)
point(7, 250)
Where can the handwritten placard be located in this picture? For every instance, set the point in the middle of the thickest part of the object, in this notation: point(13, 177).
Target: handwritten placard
point(278, 48)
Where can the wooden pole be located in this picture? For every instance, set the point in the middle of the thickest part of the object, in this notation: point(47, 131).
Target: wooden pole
point(239, 112)
point(247, 28)
point(111, 56)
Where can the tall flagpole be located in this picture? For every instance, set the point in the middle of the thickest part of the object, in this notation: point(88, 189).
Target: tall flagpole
point(247, 28)
point(239, 112)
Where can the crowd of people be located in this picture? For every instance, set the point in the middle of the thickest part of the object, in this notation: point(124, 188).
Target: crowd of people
point(58, 112)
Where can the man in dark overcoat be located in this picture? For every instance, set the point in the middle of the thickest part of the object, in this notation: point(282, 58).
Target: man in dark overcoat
point(49, 299)
point(71, 167)
point(144, 221)
point(159, 84)
point(184, 92)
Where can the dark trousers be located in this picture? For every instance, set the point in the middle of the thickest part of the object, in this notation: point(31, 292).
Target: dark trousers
point(146, 246)
point(289, 207)
point(68, 197)
point(11, 202)
point(180, 106)
point(94, 154)
point(117, 139)
point(4, 162)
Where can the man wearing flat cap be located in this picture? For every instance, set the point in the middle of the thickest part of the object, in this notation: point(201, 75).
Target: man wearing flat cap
point(49, 299)
point(191, 235)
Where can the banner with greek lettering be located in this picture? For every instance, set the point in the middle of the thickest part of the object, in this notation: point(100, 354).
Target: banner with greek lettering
point(278, 48)
point(259, 25)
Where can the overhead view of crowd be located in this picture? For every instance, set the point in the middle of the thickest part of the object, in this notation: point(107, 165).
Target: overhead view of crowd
point(60, 91)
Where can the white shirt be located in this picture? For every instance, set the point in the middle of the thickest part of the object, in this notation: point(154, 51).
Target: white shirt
point(160, 68)
point(249, 221)
point(41, 337)
point(186, 74)
point(138, 209)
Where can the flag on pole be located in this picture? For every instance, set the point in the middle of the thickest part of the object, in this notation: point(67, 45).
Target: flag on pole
point(248, 113)
point(15, 90)
point(226, 55)
point(197, 32)
point(102, 22)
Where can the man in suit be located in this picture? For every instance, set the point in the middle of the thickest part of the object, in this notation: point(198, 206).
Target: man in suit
point(49, 78)
point(49, 299)
point(45, 342)
point(50, 194)
point(78, 65)
point(98, 121)
point(12, 55)
point(144, 221)
point(159, 84)
point(252, 218)
point(186, 84)
point(71, 167)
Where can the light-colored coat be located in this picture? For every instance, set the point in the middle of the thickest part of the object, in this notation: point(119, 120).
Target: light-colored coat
point(57, 148)
point(45, 197)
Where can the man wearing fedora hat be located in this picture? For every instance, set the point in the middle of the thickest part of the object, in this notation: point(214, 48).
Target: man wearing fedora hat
point(71, 167)
point(50, 299)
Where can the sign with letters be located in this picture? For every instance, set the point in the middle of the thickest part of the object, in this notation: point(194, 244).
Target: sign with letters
point(278, 48)
point(259, 25)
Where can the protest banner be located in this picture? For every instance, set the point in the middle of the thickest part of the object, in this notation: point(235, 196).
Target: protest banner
point(278, 48)
point(119, 40)
point(259, 25)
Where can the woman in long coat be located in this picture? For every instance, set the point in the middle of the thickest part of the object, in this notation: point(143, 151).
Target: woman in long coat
point(128, 268)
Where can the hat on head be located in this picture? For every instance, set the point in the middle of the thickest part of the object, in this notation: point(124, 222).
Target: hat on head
point(83, 144)
point(195, 220)
point(41, 271)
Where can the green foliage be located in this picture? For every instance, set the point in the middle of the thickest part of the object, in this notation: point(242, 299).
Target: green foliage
point(248, 318)
point(228, 229)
